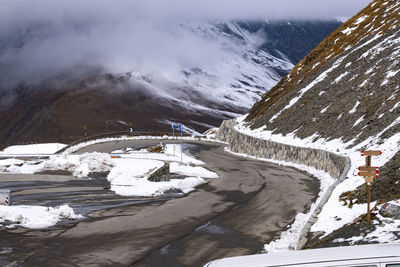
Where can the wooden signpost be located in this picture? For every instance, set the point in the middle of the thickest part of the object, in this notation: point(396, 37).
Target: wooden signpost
point(369, 173)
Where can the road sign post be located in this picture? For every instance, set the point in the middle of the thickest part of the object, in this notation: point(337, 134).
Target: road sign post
point(369, 173)
point(181, 130)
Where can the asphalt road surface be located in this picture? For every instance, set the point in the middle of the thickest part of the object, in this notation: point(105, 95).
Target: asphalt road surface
point(248, 206)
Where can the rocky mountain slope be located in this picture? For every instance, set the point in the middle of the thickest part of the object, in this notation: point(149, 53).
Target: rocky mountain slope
point(253, 60)
point(344, 97)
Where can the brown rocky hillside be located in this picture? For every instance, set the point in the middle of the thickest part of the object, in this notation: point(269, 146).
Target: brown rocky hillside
point(49, 115)
point(348, 87)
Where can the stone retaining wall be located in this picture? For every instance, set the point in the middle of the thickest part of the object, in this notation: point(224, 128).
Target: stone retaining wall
point(317, 158)
point(160, 174)
point(337, 166)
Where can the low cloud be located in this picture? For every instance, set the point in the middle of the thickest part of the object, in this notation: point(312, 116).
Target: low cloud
point(40, 39)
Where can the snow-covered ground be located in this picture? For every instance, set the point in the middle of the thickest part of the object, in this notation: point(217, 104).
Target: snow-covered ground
point(128, 172)
point(78, 165)
point(334, 214)
point(386, 231)
point(128, 177)
point(35, 217)
point(35, 149)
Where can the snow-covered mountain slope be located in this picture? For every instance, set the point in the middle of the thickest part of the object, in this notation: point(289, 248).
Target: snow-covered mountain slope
point(344, 97)
point(249, 63)
point(242, 60)
point(240, 73)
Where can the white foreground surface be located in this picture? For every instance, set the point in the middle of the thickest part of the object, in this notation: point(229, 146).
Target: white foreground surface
point(365, 255)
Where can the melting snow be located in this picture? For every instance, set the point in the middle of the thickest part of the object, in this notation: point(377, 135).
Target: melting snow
point(358, 121)
point(364, 83)
point(394, 107)
point(349, 30)
point(325, 109)
point(354, 109)
point(35, 217)
point(361, 19)
point(338, 79)
point(129, 178)
point(78, 165)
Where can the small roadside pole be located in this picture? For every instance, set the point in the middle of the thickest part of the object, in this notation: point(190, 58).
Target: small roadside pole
point(131, 128)
point(181, 130)
point(369, 173)
point(85, 129)
point(5, 197)
point(173, 135)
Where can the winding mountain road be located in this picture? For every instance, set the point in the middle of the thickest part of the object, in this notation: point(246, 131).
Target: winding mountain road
point(249, 205)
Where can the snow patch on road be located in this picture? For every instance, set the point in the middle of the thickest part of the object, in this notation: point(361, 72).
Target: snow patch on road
point(35, 217)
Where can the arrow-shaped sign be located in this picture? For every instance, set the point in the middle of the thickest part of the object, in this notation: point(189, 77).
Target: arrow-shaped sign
point(371, 153)
point(374, 174)
point(368, 169)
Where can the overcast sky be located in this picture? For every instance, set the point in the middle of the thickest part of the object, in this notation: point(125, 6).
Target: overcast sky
point(40, 38)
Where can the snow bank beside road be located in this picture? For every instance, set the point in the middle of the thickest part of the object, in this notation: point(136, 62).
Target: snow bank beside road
point(78, 165)
point(35, 217)
point(128, 177)
point(48, 148)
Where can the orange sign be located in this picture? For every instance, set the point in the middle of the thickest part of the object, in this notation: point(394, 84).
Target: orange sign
point(368, 169)
point(371, 153)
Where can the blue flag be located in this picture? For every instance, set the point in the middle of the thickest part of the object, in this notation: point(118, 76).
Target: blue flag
point(180, 127)
point(173, 125)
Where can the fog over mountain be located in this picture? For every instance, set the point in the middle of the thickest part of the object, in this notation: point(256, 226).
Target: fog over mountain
point(46, 39)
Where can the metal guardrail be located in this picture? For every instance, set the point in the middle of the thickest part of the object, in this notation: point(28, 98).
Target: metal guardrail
point(117, 134)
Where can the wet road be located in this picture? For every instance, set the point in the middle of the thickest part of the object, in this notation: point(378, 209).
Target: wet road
point(249, 205)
